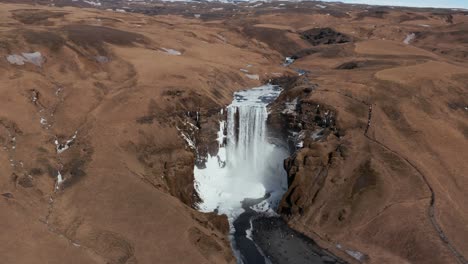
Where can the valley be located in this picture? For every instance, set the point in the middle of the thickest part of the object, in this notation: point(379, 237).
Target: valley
point(113, 116)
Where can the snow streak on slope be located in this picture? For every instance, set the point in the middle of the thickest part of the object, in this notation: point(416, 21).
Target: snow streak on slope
point(248, 166)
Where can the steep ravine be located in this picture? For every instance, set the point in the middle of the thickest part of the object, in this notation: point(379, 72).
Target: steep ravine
point(258, 234)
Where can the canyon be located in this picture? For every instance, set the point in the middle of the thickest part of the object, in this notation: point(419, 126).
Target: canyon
point(113, 116)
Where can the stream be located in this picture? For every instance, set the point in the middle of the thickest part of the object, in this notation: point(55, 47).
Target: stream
point(246, 181)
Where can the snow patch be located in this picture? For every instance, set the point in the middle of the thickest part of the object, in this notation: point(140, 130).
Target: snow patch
point(356, 254)
point(92, 3)
point(59, 180)
point(102, 59)
point(15, 59)
point(253, 76)
point(288, 61)
point(409, 38)
point(33, 58)
point(172, 52)
point(187, 139)
point(43, 121)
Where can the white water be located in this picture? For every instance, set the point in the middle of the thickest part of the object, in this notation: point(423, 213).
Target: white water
point(248, 166)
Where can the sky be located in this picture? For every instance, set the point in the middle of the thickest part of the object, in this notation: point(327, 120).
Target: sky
point(416, 3)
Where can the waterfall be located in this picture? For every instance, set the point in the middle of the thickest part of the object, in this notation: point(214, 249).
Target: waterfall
point(246, 140)
point(248, 166)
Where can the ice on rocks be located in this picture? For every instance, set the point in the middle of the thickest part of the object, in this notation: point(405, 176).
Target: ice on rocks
point(62, 147)
point(290, 107)
point(288, 61)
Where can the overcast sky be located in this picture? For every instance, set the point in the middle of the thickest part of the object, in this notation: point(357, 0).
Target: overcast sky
point(417, 3)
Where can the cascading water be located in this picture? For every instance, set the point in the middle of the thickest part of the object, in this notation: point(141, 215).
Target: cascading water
point(247, 165)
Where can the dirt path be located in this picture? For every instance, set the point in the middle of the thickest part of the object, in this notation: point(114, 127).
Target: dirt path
point(431, 210)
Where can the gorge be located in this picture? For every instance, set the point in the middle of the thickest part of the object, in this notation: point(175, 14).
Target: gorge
point(246, 181)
